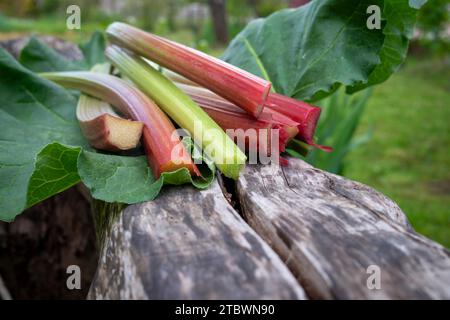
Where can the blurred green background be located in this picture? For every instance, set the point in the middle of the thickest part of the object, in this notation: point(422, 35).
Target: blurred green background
point(394, 137)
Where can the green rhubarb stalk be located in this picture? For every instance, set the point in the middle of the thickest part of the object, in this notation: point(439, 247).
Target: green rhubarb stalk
point(182, 109)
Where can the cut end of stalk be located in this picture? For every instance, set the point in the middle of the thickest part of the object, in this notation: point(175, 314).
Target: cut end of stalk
point(125, 134)
point(307, 127)
point(306, 115)
point(103, 128)
point(110, 133)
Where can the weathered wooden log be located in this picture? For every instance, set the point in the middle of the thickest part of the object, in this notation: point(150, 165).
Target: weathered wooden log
point(188, 244)
point(4, 292)
point(332, 234)
point(330, 230)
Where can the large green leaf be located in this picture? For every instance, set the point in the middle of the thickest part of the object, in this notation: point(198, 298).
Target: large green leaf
point(93, 50)
point(308, 52)
point(130, 180)
point(400, 18)
point(42, 151)
point(55, 169)
point(33, 113)
point(38, 57)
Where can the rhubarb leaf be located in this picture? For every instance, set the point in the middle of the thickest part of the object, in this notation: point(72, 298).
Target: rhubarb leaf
point(55, 170)
point(308, 52)
point(400, 19)
point(33, 114)
point(93, 50)
point(117, 178)
point(130, 180)
point(39, 57)
point(42, 150)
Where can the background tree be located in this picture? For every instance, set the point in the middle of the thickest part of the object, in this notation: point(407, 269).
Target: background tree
point(219, 20)
point(297, 3)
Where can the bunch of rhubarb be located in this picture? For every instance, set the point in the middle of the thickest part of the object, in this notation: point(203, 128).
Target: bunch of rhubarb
point(292, 118)
point(227, 111)
point(232, 97)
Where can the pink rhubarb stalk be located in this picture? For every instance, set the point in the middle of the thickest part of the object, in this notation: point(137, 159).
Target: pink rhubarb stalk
point(283, 108)
point(301, 112)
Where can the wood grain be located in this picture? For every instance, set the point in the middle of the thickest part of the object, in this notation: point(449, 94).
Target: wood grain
point(329, 230)
point(189, 244)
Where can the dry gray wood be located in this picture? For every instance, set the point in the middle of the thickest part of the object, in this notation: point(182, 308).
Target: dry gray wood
point(329, 230)
point(4, 292)
point(189, 244)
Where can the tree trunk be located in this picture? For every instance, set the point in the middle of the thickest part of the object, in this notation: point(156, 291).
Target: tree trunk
point(171, 15)
point(219, 19)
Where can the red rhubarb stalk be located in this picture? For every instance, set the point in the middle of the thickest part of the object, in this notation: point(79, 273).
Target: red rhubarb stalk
point(301, 112)
point(229, 116)
point(234, 84)
point(159, 134)
point(283, 109)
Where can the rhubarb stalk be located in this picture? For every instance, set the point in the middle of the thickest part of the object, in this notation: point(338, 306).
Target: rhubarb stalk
point(305, 114)
point(159, 134)
point(104, 128)
point(241, 87)
point(279, 106)
point(205, 132)
point(229, 116)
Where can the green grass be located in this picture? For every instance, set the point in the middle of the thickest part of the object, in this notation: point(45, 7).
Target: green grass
point(408, 158)
point(11, 27)
point(49, 25)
